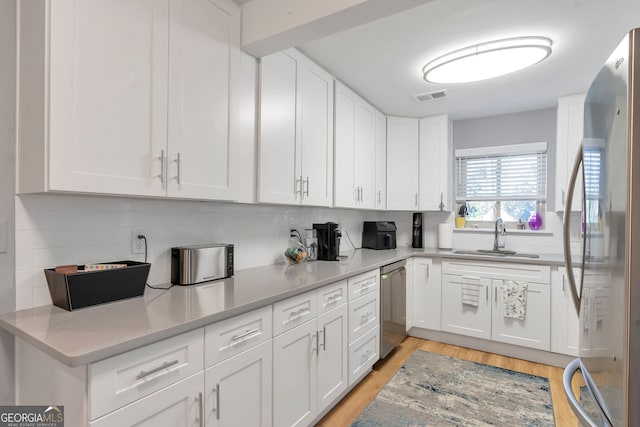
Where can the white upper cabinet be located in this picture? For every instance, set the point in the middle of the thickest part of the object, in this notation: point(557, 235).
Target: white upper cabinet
point(402, 163)
point(204, 53)
point(95, 103)
point(569, 134)
point(435, 163)
point(355, 150)
point(295, 152)
point(381, 161)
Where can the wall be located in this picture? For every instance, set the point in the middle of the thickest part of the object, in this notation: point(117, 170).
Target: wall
point(7, 165)
point(66, 229)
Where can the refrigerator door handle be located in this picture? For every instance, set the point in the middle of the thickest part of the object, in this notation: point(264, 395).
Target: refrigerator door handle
point(565, 230)
point(578, 410)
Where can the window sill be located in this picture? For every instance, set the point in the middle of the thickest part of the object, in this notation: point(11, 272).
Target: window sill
point(509, 231)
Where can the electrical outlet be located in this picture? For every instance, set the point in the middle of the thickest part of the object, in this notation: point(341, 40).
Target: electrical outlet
point(137, 245)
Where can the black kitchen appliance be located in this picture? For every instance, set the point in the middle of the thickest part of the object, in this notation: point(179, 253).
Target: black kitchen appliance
point(379, 235)
point(416, 241)
point(328, 241)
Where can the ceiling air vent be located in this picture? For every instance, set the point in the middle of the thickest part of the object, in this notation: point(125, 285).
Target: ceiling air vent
point(424, 97)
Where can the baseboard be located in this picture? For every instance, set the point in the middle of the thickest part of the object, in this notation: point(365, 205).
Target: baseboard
point(524, 353)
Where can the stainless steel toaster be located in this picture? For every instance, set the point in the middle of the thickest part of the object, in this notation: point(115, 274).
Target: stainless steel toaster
point(201, 263)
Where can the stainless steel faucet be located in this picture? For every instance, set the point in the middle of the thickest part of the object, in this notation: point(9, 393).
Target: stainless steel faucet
point(497, 245)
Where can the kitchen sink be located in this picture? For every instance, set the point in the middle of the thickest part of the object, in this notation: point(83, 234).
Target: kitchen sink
point(493, 252)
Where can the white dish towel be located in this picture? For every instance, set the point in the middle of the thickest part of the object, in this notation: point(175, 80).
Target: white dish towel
point(514, 298)
point(470, 294)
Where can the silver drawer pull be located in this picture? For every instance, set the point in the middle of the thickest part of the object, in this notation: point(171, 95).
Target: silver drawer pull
point(165, 365)
point(365, 356)
point(332, 299)
point(366, 286)
point(246, 335)
point(365, 316)
point(295, 315)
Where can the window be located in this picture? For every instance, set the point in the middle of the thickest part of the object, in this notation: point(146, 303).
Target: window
point(509, 182)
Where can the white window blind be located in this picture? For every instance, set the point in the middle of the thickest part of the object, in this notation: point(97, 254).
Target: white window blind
point(514, 172)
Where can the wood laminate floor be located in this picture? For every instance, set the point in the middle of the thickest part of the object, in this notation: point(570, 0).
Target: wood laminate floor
point(357, 400)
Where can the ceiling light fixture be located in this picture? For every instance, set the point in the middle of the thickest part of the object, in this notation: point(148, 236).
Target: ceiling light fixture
point(487, 60)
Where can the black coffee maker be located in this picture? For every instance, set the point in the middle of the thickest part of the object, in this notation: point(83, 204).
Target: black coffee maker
point(328, 241)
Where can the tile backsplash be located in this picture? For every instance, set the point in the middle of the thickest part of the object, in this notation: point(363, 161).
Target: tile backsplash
point(71, 229)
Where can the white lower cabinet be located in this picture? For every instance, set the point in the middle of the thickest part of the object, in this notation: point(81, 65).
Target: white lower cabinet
point(473, 298)
point(310, 360)
point(426, 293)
point(179, 405)
point(564, 318)
point(238, 390)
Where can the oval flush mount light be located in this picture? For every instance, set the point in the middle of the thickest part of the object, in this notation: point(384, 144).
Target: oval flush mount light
point(487, 60)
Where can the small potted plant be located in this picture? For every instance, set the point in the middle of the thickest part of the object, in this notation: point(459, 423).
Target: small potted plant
point(461, 217)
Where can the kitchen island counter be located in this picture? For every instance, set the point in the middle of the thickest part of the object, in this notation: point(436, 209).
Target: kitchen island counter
point(87, 335)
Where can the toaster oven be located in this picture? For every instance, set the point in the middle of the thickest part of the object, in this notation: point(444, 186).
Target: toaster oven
point(201, 263)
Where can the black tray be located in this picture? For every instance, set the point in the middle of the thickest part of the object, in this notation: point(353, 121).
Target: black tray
point(86, 288)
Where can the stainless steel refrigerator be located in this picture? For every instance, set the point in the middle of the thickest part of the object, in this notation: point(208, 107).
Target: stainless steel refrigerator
point(605, 276)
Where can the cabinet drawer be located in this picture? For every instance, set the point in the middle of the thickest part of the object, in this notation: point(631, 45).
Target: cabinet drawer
point(294, 311)
point(177, 405)
point(232, 336)
point(331, 296)
point(363, 353)
point(363, 284)
point(364, 315)
point(122, 379)
point(499, 270)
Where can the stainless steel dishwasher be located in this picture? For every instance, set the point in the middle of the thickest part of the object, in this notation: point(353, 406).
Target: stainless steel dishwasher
point(393, 300)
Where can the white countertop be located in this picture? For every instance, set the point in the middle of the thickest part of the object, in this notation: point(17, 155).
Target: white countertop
point(94, 333)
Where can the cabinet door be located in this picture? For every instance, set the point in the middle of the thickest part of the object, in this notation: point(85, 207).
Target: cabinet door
point(402, 163)
point(470, 315)
point(427, 294)
point(535, 330)
point(434, 163)
point(179, 405)
point(345, 192)
point(107, 96)
point(410, 293)
point(315, 133)
point(332, 356)
point(294, 376)
point(278, 154)
point(564, 319)
point(238, 390)
point(365, 151)
point(569, 133)
point(381, 161)
point(204, 64)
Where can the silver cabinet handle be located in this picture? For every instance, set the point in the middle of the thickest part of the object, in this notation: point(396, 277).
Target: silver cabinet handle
point(563, 196)
point(379, 197)
point(495, 294)
point(357, 194)
point(565, 232)
point(162, 171)
point(217, 408)
point(245, 335)
point(324, 338)
point(428, 271)
point(441, 205)
point(315, 348)
point(332, 300)
point(295, 315)
point(297, 183)
point(563, 283)
point(178, 168)
point(486, 293)
point(200, 409)
point(416, 200)
point(165, 365)
point(306, 192)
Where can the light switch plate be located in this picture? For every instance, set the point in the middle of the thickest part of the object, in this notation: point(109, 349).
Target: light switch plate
point(3, 236)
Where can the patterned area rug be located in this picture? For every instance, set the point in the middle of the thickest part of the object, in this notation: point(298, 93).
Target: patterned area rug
point(434, 390)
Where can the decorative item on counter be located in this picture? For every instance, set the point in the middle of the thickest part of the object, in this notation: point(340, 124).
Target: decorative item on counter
point(521, 225)
point(311, 244)
point(296, 252)
point(461, 218)
point(535, 221)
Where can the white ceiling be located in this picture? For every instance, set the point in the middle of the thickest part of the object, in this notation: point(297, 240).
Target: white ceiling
point(382, 60)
